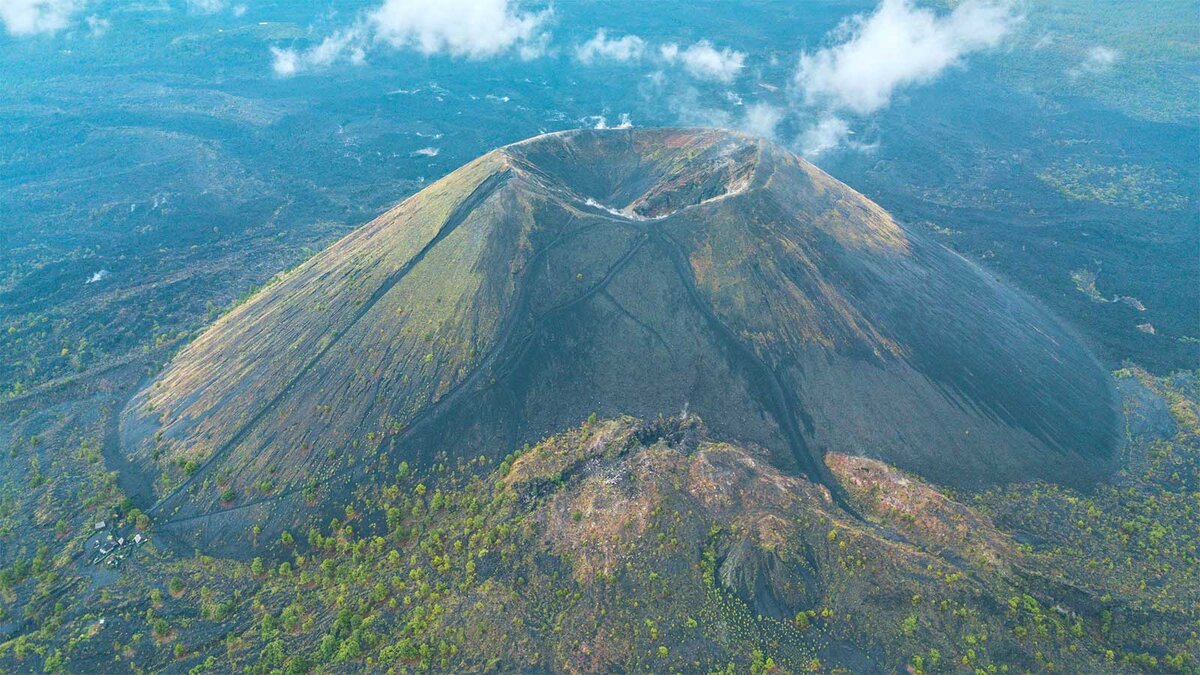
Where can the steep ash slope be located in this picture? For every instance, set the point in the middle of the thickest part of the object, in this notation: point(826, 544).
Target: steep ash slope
point(636, 272)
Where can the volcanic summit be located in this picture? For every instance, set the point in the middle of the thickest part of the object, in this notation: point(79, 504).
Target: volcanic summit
point(638, 272)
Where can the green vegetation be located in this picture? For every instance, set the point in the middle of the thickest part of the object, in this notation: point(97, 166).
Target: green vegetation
point(614, 547)
point(1133, 546)
point(1152, 75)
point(1127, 185)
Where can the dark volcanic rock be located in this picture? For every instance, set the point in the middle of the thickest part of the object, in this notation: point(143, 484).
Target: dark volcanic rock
point(637, 272)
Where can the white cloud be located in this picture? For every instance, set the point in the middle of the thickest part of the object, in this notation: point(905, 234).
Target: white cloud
point(696, 109)
point(1099, 59)
point(206, 6)
point(466, 28)
point(97, 26)
point(600, 47)
point(703, 61)
point(285, 62)
point(761, 119)
point(535, 47)
point(826, 134)
point(601, 122)
point(214, 7)
point(31, 17)
point(473, 29)
point(896, 46)
point(345, 44)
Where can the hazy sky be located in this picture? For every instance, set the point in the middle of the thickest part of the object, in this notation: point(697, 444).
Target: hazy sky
point(853, 73)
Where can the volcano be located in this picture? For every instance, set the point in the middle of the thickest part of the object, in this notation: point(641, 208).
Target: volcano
point(620, 272)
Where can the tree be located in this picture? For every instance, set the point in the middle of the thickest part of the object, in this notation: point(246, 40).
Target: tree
point(54, 663)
